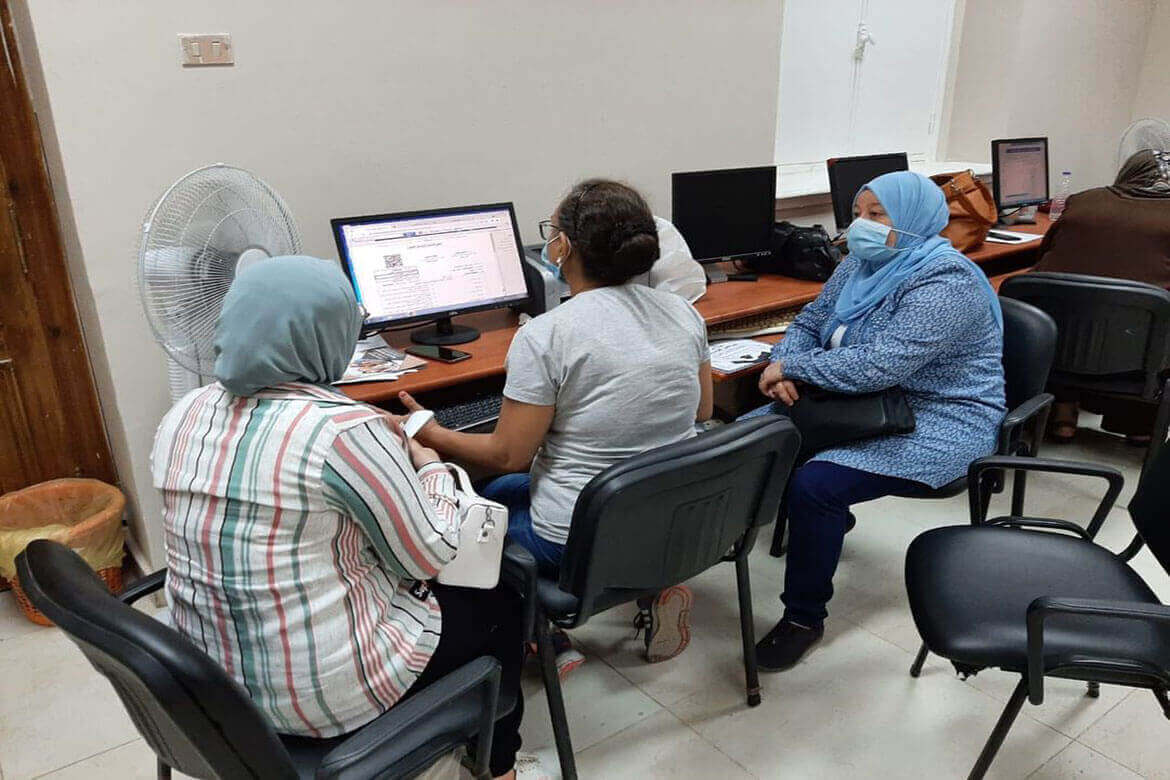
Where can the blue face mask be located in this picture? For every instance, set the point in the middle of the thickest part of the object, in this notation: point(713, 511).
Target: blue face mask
point(553, 268)
point(867, 241)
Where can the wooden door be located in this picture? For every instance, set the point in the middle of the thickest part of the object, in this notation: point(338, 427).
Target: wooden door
point(50, 421)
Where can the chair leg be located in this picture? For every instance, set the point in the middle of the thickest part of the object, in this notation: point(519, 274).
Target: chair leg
point(747, 630)
point(779, 528)
point(1164, 700)
point(1093, 690)
point(164, 770)
point(919, 660)
point(1000, 731)
point(556, 699)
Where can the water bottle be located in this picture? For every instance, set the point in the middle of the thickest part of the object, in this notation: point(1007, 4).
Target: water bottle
point(1065, 189)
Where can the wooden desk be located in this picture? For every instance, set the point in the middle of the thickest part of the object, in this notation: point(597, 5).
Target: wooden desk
point(722, 303)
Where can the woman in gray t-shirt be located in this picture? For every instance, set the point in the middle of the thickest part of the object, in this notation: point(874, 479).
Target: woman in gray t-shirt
point(618, 369)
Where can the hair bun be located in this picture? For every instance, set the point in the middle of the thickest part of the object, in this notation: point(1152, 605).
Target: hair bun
point(638, 252)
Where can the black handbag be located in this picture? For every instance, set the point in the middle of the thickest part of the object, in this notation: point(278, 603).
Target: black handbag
point(826, 419)
point(800, 252)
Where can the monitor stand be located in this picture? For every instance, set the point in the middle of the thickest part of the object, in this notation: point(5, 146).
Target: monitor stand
point(715, 274)
point(443, 333)
point(1024, 215)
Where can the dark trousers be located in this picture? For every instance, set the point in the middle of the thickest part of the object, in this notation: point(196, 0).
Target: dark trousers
point(475, 623)
point(819, 496)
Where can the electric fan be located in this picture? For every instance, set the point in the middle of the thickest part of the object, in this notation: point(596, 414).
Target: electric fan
point(205, 228)
point(1143, 134)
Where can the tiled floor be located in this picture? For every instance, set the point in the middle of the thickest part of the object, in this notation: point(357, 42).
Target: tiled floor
point(850, 710)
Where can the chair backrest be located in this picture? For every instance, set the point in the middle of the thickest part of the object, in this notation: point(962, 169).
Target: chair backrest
point(1107, 327)
point(661, 517)
point(195, 718)
point(1029, 346)
point(1150, 506)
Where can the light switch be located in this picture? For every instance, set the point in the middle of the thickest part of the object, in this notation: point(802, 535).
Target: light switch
point(215, 49)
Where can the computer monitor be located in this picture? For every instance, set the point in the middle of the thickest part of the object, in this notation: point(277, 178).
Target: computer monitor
point(1019, 171)
point(432, 265)
point(847, 175)
point(725, 214)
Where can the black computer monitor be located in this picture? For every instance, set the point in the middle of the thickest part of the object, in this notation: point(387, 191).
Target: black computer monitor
point(1019, 171)
point(725, 214)
point(418, 266)
point(847, 175)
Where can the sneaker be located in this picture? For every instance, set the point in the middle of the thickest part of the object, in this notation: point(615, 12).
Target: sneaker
point(530, 767)
point(666, 622)
point(785, 645)
point(568, 657)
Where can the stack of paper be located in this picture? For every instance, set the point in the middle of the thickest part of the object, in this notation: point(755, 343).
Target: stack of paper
point(375, 361)
point(728, 357)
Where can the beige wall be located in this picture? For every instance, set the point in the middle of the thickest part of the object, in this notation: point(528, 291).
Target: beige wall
point(1067, 70)
point(1153, 93)
point(367, 106)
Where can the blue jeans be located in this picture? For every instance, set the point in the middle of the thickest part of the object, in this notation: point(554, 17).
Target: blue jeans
point(819, 496)
point(515, 492)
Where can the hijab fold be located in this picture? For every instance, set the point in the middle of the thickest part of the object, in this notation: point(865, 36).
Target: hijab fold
point(286, 319)
point(1146, 174)
point(917, 208)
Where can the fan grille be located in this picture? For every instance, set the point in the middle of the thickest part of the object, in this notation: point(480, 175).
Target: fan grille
point(1153, 134)
point(191, 242)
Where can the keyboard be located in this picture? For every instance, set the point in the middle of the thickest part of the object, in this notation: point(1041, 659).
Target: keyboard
point(484, 408)
point(754, 325)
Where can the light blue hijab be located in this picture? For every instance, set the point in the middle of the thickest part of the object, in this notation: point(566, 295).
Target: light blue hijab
point(286, 319)
point(917, 205)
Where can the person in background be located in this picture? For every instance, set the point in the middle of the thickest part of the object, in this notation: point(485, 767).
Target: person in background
point(676, 269)
point(905, 309)
point(1121, 231)
point(301, 529)
point(617, 369)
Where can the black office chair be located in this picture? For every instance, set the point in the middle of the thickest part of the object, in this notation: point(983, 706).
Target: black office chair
point(1036, 596)
point(1029, 343)
point(1114, 338)
point(654, 521)
point(203, 723)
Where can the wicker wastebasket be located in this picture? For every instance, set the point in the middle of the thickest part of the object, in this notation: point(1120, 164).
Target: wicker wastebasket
point(83, 514)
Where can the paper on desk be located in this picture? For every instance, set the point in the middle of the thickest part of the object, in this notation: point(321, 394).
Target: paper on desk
point(1023, 237)
point(733, 355)
point(375, 361)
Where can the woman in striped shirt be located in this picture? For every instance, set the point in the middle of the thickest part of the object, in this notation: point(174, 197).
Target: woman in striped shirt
point(301, 529)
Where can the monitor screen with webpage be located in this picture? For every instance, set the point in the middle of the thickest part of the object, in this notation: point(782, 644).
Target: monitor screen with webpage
point(423, 265)
point(1019, 169)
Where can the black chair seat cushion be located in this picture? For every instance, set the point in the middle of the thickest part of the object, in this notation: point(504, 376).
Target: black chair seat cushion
point(558, 604)
point(433, 738)
point(970, 588)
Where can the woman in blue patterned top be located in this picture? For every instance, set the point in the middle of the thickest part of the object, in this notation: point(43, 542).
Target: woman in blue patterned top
point(904, 309)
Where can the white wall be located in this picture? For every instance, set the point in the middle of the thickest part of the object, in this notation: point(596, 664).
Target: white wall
point(1153, 93)
point(1067, 70)
point(366, 106)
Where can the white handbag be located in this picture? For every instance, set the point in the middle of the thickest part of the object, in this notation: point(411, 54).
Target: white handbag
point(483, 525)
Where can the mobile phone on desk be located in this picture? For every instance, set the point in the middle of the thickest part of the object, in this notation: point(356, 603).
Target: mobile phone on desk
point(442, 354)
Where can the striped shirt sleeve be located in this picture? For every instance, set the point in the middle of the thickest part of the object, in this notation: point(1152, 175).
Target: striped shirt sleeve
point(410, 519)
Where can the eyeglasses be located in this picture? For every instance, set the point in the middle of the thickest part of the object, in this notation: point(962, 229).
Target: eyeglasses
point(548, 230)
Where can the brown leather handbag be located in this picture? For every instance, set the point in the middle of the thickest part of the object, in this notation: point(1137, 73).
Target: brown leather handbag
point(972, 207)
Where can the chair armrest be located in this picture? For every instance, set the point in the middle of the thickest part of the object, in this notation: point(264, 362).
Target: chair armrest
point(143, 587)
point(1017, 463)
point(1035, 409)
point(375, 747)
point(1044, 606)
point(519, 572)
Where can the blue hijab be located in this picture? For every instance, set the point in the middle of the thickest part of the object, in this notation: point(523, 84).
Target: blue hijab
point(915, 204)
point(286, 319)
